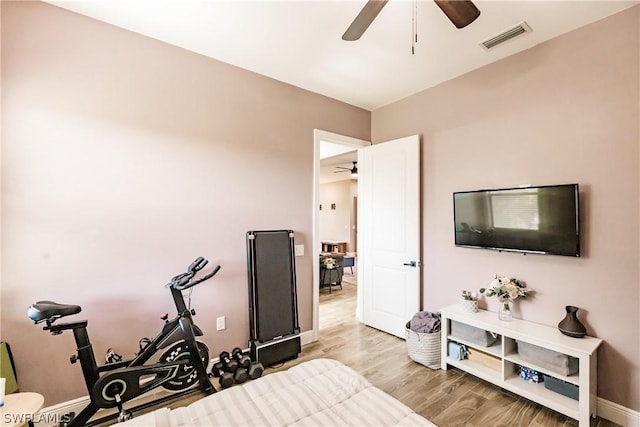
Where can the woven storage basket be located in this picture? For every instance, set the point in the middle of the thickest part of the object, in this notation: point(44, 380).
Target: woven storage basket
point(423, 348)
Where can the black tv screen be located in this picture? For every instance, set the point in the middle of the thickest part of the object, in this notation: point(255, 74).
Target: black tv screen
point(542, 220)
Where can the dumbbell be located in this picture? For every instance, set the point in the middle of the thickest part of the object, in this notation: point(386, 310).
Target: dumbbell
point(224, 378)
point(255, 370)
point(240, 375)
point(243, 359)
point(230, 364)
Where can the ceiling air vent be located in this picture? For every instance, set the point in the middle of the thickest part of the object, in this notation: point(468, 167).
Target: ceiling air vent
point(507, 35)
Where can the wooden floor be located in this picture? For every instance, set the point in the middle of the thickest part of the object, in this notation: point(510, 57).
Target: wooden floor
point(447, 398)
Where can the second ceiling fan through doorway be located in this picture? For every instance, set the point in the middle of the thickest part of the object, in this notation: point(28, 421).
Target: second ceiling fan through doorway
point(353, 170)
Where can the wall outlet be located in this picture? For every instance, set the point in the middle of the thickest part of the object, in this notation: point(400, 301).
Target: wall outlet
point(299, 249)
point(220, 323)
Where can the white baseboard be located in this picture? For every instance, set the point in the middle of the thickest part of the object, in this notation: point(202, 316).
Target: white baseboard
point(52, 415)
point(617, 413)
point(306, 337)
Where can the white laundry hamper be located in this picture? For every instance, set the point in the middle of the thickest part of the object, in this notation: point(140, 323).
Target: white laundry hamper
point(423, 348)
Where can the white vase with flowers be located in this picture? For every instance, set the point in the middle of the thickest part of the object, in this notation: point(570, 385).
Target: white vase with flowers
point(506, 289)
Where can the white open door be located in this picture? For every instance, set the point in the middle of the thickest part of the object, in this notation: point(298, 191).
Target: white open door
point(389, 233)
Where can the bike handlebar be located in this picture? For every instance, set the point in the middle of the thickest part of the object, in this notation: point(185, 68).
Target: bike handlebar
point(198, 264)
point(184, 280)
point(188, 283)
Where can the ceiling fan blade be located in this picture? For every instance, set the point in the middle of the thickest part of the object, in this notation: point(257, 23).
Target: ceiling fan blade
point(460, 12)
point(363, 20)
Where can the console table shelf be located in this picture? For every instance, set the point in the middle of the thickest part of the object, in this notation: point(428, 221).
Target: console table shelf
point(499, 363)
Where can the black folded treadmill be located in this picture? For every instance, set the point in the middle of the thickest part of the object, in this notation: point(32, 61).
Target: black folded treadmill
point(274, 332)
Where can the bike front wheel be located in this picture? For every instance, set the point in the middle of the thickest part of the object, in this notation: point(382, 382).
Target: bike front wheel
point(188, 374)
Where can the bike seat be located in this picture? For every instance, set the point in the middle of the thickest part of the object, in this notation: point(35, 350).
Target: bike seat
point(49, 310)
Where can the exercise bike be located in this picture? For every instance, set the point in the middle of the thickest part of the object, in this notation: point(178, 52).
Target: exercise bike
point(181, 366)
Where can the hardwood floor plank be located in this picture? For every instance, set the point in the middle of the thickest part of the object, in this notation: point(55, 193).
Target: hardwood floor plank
point(547, 417)
point(460, 411)
point(493, 411)
point(448, 394)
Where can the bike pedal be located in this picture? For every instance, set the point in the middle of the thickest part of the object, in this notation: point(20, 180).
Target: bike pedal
point(124, 416)
point(143, 343)
point(112, 357)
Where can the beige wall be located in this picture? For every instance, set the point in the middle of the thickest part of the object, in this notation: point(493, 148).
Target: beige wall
point(123, 159)
point(565, 111)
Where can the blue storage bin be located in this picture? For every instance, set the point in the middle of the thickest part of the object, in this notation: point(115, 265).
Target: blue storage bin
point(562, 387)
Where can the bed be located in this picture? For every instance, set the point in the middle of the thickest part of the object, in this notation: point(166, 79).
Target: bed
point(320, 392)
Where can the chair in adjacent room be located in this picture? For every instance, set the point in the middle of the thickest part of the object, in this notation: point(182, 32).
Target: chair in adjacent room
point(350, 262)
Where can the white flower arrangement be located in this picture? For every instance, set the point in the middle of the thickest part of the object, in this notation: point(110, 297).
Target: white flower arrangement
point(506, 288)
point(329, 262)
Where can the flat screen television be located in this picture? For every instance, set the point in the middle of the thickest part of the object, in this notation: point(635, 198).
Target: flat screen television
point(541, 220)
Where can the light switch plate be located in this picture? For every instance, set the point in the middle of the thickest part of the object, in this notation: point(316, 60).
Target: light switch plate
point(220, 323)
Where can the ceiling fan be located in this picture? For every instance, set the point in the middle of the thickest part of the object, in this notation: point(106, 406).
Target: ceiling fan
point(353, 170)
point(460, 12)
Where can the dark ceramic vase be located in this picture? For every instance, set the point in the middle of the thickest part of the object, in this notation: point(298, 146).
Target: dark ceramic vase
point(571, 325)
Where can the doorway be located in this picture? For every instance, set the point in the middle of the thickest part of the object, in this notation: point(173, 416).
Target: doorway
point(342, 150)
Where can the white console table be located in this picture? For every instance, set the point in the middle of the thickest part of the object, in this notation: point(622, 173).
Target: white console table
point(500, 363)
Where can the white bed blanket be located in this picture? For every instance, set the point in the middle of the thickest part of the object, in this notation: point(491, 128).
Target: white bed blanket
point(320, 392)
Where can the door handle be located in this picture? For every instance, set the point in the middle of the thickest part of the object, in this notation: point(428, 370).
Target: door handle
point(412, 264)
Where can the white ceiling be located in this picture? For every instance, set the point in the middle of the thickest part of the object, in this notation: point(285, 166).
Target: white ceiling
point(299, 42)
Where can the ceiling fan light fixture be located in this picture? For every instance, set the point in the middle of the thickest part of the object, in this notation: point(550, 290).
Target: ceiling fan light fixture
point(353, 171)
